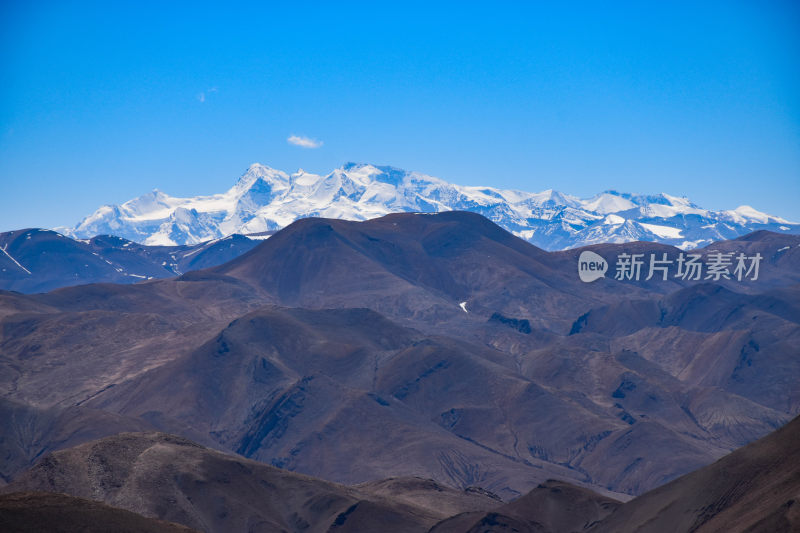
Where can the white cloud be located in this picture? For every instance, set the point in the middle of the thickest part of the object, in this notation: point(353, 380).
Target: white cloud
point(303, 142)
point(202, 96)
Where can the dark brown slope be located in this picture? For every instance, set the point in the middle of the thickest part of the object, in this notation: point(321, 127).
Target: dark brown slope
point(39, 260)
point(703, 307)
point(62, 347)
point(745, 344)
point(58, 350)
point(300, 388)
point(27, 433)
point(170, 478)
point(553, 507)
point(35, 512)
point(754, 489)
point(418, 266)
point(620, 410)
point(12, 303)
point(779, 266)
point(303, 388)
point(780, 252)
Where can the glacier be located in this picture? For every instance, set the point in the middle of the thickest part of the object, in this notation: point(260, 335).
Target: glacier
point(264, 200)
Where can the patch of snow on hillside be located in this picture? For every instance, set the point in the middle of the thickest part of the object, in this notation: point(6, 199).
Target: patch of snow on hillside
point(664, 232)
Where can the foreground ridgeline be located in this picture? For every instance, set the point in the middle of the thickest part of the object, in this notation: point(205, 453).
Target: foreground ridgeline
point(57, 513)
point(466, 368)
point(753, 489)
point(265, 199)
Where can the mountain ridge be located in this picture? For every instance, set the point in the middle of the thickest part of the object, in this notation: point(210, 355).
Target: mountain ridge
point(167, 477)
point(39, 260)
point(266, 199)
point(272, 355)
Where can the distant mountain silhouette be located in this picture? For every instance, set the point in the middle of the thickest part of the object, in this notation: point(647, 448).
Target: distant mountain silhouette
point(37, 260)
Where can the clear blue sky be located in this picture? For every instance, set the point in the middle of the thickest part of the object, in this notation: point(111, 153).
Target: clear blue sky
point(100, 103)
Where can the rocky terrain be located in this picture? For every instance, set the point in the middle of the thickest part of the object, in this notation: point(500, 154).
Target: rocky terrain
point(433, 347)
point(161, 476)
point(59, 513)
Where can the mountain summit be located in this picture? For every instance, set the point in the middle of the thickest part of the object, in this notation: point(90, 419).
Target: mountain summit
point(265, 199)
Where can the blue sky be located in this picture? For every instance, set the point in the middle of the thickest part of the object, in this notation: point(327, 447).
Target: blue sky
point(100, 103)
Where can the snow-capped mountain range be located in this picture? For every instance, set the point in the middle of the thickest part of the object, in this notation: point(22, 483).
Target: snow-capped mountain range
point(265, 199)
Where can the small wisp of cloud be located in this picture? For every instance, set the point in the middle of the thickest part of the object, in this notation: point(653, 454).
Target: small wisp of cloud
point(303, 142)
point(203, 95)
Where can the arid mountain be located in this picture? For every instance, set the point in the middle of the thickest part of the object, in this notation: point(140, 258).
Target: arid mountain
point(29, 432)
point(38, 260)
point(421, 267)
point(166, 477)
point(160, 476)
point(34, 512)
point(299, 388)
point(552, 507)
point(754, 489)
point(438, 346)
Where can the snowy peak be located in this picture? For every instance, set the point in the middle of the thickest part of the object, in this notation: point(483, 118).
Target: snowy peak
point(746, 214)
point(261, 174)
point(608, 202)
point(264, 199)
point(661, 205)
point(148, 203)
point(677, 201)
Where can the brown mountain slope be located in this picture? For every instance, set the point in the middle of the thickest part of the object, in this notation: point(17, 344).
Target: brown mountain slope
point(170, 478)
point(553, 507)
point(62, 347)
point(753, 489)
point(756, 489)
point(302, 388)
point(744, 349)
point(27, 433)
point(419, 385)
point(418, 266)
point(35, 512)
point(298, 388)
